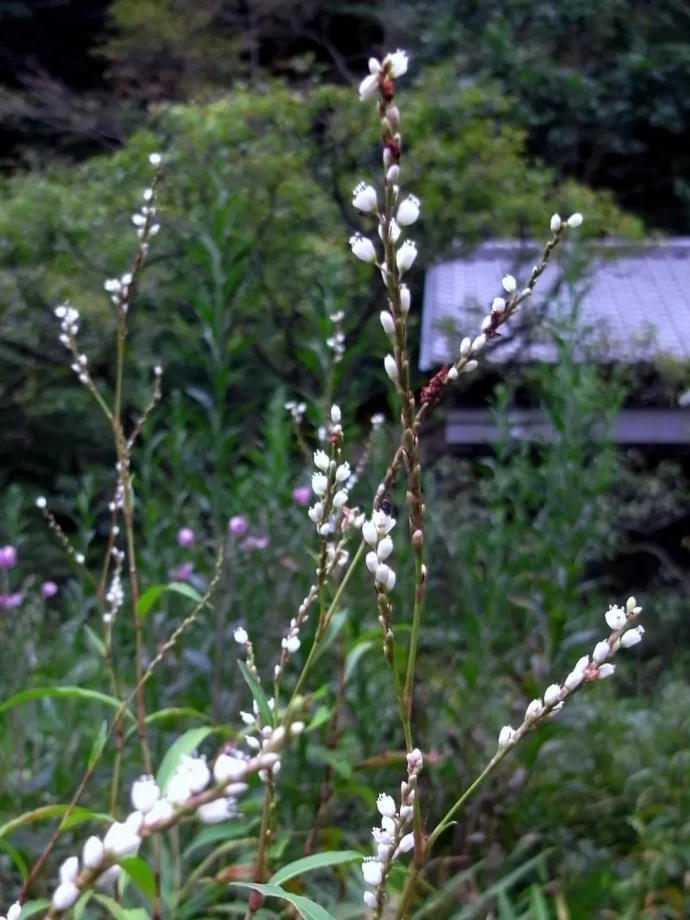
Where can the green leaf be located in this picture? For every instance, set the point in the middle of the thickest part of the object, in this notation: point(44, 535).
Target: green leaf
point(307, 909)
point(502, 885)
point(174, 712)
point(34, 907)
point(217, 833)
point(149, 597)
point(96, 641)
point(540, 910)
point(16, 858)
point(185, 744)
point(98, 744)
point(317, 861)
point(78, 816)
point(78, 693)
point(332, 759)
point(81, 905)
point(354, 657)
point(121, 913)
point(257, 693)
point(322, 714)
point(141, 875)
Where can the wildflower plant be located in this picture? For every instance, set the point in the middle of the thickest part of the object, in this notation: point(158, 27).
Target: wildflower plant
point(209, 787)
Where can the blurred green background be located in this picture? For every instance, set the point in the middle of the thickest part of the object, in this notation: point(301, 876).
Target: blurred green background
point(511, 111)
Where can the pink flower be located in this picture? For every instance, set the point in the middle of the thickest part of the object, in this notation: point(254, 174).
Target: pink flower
point(238, 525)
point(11, 601)
point(183, 572)
point(254, 543)
point(185, 537)
point(8, 557)
point(301, 495)
point(49, 589)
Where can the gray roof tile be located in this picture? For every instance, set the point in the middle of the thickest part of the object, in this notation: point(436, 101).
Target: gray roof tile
point(634, 299)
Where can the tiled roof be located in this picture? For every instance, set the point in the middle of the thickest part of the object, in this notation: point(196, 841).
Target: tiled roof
point(633, 297)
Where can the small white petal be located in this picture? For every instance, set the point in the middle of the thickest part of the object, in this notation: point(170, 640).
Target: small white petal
point(408, 211)
point(506, 735)
point(616, 618)
point(386, 805)
point(369, 87)
point(606, 670)
point(387, 322)
point(601, 652)
point(363, 248)
point(573, 680)
point(372, 561)
point(556, 223)
point(509, 284)
point(69, 870)
point(384, 549)
point(65, 896)
point(575, 220)
point(391, 367)
point(552, 695)
point(405, 256)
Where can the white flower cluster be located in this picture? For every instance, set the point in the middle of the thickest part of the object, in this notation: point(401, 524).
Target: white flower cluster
point(116, 595)
point(69, 325)
point(144, 217)
point(573, 222)
point(155, 810)
point(336, 341)
point(296, 410)
point(390, 838)
point(330, 485)
point(393, 66)
point(118, 288)
point(586, 670)
point(376, 533)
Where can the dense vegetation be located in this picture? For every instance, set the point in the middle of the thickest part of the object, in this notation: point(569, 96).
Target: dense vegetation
point(513, 116)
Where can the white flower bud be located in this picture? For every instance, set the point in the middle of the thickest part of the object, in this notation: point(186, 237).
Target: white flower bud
point(506, 735)
point(556, 223)
point(465, 346)
point(606, 670)
point(155, 159)
point(486, 323)
point(364, 198)
point(470, 366)
point(178, 791)
point(293, 644)
point(336, 415)
point(196, 772)
point(387, 322)
point(615, 618)
point(479, 343)
point(509, 284)
point(319, 484)
point(372, 561)
point(65, 896)
point(404, 299)
point(240, 636)
point(121, 840)
point(600, 653)
point(363, 248)
point(316, 512)
point(534, 710)
point(384, 549)
point(369, 87)
point(14, 912)
point(145, 794)
point(69, 870)
point(391, 367)
point(573, 680)
point(632, 637)
point(343, 472)
point(452, 373)
point(382, 573)
point(161, 813)
point(370, 533)
point(575, 220)
point(109, 878)
point(374, 66)
point(582, 663)
point(552, 695)
point(92, 854)
point(396, 63)
point(370, 899)
point(228, 768)
point(407, 843)
point(405, 256)
point(386, 805)
point(498, 305)
point(631, 605)
point(372, 870)
point(340, 498)
point(408, 211)
point(321, 460)
point(216, 811)
point(390, 581)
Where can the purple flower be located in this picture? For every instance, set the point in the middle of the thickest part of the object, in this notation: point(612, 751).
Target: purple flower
point(301, 495)
point(183, 572)
point(11, 601)
point(49, 589)
point(254, 543)
point(238, 525)
point(8, 557)
point(185, 537)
